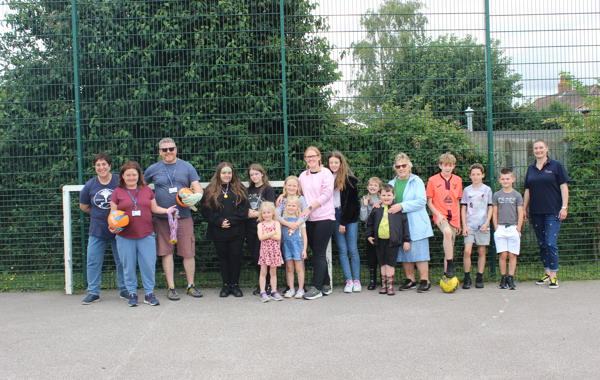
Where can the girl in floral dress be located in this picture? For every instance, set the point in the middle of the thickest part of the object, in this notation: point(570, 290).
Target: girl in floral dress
point(269, 234)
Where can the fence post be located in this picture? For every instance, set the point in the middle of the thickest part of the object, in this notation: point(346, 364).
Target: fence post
point(489, 109)
point(286, 147)
point(77, 100)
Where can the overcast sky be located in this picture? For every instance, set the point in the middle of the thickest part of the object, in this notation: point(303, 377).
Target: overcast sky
point(542, 37)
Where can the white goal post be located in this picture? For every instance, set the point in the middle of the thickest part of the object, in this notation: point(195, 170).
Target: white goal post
point(68, 234)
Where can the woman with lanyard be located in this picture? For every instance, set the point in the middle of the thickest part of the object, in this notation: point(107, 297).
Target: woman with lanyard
point(317, 186)
point(411, 200)
point(136, 243)
point(546, 200)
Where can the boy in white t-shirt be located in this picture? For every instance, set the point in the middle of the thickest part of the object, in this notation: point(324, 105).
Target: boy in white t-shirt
point(476, 215)
point(508, 221)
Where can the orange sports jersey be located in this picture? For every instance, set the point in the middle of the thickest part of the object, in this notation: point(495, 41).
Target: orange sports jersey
point(445, 195)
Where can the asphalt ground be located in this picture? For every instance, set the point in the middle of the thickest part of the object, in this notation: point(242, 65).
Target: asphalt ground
point(531, 332)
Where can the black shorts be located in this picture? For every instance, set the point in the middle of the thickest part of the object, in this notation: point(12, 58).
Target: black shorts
point(386, 255)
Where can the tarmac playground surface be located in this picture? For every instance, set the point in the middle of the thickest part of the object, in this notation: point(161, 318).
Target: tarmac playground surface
point(530, 333)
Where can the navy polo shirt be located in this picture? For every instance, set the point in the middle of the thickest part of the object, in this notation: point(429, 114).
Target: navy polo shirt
point(544, 187)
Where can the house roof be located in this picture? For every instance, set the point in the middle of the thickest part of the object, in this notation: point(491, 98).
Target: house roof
point(570, 98)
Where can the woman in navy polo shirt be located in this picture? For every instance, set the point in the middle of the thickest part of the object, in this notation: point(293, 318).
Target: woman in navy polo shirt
point(546, 201)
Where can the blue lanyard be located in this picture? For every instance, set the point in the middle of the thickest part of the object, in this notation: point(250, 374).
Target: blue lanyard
point(133, 199)
point(170, 177)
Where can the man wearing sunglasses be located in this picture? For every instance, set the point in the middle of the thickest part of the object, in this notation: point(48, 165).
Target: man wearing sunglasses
point(170, 175)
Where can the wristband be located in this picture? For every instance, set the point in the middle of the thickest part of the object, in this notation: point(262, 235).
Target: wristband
point(563, 207)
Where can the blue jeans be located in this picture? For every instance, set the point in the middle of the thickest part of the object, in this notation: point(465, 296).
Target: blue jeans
point(546, 227)
point(348, 248)
point(140, 252)
point(95, 258)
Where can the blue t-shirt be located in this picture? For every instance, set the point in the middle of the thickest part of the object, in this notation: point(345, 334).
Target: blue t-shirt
point(544, 187)
point(165, 176)
point(98, 196)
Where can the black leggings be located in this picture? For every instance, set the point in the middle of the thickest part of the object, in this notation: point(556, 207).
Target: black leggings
point(230, 259)
point(319, 233)
point(253, 243)
point(371, 255)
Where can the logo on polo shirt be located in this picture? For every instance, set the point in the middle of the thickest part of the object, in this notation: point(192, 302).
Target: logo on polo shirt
point(547, 171)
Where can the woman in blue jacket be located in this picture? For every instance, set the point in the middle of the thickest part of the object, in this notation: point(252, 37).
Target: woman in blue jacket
point(411, 200)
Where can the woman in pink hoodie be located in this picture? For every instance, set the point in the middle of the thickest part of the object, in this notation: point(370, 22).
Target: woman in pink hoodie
point(317, 187)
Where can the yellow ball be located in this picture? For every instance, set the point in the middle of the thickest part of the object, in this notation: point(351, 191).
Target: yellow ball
point(449, 285)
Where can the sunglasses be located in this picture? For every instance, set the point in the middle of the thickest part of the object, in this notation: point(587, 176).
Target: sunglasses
point(401, 166)
point(226, 171)
point(165, 150)
point(312, 156)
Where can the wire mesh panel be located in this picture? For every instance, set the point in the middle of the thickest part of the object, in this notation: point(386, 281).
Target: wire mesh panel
point(38, 142)
point(259, 81)
point(554, 48)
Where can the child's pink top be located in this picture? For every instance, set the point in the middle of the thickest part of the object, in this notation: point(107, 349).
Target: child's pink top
point(318, 187)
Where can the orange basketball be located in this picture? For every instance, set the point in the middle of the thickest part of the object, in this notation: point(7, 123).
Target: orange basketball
point(118, 219)
point(185, 190)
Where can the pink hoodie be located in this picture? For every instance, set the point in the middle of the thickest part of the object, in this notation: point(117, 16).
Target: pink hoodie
point(319, 187)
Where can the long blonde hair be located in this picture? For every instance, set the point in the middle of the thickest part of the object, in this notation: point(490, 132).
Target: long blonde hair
point(291, 178)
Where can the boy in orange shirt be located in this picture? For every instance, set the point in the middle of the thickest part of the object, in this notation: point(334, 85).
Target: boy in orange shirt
point(444, 191)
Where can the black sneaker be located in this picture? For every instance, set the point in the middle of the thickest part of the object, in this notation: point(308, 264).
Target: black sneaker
point(479, 281)
point(236, 291)
point(424, 286)
point(503, 284)
point(510, 283)
point(467, 282)
point(553, 283)
point(408, 284)
point(449, 268)
point(224, 291)
point(256, 291)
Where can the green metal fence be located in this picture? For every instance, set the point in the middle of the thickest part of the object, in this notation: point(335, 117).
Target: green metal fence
point(258, 81)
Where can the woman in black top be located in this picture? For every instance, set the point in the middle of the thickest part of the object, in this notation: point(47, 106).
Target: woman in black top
point(347, 209)
point(259, 190)
point(225, 207)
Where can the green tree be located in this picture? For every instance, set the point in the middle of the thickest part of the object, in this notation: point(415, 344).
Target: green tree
point(447, 73)
point(395, 26)
point(583, 157)
point(207, 73)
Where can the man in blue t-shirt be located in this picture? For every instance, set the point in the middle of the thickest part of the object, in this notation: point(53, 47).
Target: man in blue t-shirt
point(170, 175)
point(94, 199)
